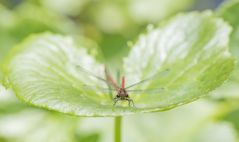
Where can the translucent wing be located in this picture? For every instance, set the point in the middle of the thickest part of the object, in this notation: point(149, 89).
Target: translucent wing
point(148, 79)
point(97, 89)
point(109, 80)
point(147, 91)
point(90, 73)
point(107, 90)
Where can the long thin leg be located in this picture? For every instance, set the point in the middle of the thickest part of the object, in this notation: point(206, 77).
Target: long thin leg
point(115, 101)
point(130, 101)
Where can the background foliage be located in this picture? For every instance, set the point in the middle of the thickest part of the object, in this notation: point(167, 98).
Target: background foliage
point(106, 27)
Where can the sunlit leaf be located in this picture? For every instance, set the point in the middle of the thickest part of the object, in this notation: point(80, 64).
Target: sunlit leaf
point(194, 50)
point(9, 103)
point(43, 70)
point(35, 125)
point(57, 59)
point(154, 10)
point(228, 11)
point(193, 122)
point(232, 117)
point(25, 19)
point(20, 122)
point(69, 7)
point(190, 123)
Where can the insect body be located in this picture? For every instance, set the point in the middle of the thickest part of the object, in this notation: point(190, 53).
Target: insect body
point(121, 91)
point(122, 95)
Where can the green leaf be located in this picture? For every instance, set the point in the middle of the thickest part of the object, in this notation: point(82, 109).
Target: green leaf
point(18, 119)
point(25, 19)
point(16, 25)
point(53, 59)
point(190, 123)
point(43, 70)
point(228, 11)
point(42, 125)
point(232, 117)
point(9, 103)
point(194, 122)
point(194, 47)
point(153, 11)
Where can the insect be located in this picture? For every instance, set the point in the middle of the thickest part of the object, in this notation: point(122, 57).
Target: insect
point(121, 90)
point(122, 93)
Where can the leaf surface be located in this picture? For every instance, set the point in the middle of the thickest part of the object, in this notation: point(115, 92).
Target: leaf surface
point(43, 70)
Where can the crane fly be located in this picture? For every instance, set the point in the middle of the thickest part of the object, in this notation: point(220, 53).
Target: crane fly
point(122, 91)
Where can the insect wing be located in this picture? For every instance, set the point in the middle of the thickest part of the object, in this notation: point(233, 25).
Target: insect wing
point(97, 89)
point(109, 80)
point(80, 68)
point(148, 79)
point(148, 91)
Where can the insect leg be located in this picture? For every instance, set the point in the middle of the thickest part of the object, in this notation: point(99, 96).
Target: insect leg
point(130, 101)
point(115, 101)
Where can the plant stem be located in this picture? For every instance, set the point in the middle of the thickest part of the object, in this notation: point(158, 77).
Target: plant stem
point(117, 119)
point(117, 126)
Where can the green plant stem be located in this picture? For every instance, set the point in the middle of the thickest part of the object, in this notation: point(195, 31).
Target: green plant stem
point(117, 126)
point(118, 119)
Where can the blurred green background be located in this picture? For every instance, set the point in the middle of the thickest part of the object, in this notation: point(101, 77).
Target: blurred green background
point(107, 27)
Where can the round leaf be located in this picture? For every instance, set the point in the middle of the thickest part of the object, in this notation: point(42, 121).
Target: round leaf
point(46, 70)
